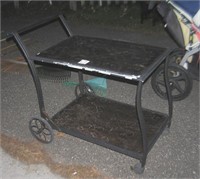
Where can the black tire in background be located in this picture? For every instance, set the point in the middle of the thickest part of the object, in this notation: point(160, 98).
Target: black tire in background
point(177, 56)
point(179, 79)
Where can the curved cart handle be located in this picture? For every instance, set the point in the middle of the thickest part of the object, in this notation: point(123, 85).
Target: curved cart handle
point(23, 49)
point(42, 23)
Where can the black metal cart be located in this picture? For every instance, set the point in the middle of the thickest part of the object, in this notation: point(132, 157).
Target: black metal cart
point(131, 130)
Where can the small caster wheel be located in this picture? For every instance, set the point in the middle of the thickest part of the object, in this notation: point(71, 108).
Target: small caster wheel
point(166, 131)
point(180, 82)
point(87, 89)
point(41, 130)
point(138, 169)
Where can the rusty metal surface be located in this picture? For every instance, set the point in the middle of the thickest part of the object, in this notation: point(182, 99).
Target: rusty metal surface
point(109, 121)
point(117, 56)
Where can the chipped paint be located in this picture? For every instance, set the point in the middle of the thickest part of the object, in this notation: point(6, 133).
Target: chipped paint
point(105, 72)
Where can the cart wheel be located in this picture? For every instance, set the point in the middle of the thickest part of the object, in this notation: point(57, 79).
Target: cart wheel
point(41, 130)
point(177, 56)
point(86, 89)
point(166, 132)
point(138, 169)
point(179, 79)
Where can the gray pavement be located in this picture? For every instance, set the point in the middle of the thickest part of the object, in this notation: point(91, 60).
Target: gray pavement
point(173, 156)
point(12, 168)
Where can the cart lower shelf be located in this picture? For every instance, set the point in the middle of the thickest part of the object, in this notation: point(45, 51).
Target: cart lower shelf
point(108, 123)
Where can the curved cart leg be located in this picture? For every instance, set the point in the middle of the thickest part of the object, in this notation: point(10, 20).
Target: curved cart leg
point(33, 73)
point(168, 92)
point(82, 87)
point(139, 167)
point(44, 121)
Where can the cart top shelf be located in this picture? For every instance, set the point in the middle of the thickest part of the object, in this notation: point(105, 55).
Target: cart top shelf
point(105, 56)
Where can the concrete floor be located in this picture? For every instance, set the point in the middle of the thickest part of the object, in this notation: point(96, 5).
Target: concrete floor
point(173, 156)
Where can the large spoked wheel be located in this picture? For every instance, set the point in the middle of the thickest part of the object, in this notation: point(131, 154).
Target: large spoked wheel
point(41, 130)
point(179, 80)
point(87, 89)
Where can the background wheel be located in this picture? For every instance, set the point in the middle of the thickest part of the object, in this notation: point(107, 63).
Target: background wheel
point(86, 89)
point(41, 130)
point(192, 65)
point(177, 56)
point(179, 79)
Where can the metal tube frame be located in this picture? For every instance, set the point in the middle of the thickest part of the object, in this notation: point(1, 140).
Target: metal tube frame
point(31, 65)
point(37, 83)
point(81, 81)
point(40, 24)
point(33, 71)
point(140, 113)
point(141, 123)
point(190, 53)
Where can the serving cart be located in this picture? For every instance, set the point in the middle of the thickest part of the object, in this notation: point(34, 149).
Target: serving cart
point(128, 129)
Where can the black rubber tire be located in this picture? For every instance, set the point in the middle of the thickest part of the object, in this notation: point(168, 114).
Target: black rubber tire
point(193, 66)
point(87, 90)
point(41, 130)
point(177, 56)
point(180, 82)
